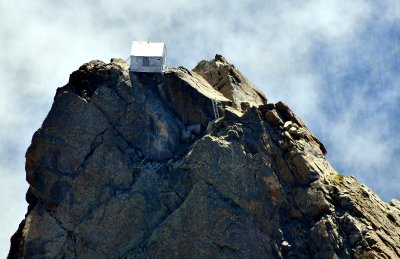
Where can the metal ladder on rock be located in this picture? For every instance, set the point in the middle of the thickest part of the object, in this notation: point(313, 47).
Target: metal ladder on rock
point(215, 108)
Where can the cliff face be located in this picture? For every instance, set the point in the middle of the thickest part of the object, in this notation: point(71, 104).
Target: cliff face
point(135, 166)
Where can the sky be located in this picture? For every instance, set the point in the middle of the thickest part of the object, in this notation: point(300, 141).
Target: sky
point(336, 63)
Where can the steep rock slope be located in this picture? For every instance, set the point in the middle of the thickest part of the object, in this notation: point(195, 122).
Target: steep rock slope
point(136, 166)
point(227, 79)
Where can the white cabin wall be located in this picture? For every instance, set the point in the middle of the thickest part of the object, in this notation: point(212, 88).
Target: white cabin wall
point(156, 65)
point(164, 61)
point(156, 61)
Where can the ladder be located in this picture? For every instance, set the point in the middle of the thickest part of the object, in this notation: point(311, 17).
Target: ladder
point(215, 108)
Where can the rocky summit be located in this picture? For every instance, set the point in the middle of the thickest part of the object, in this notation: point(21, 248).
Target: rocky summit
point(189, 164)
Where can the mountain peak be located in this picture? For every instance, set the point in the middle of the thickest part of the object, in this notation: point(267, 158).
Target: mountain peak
point(227, 79)
point(183, 163)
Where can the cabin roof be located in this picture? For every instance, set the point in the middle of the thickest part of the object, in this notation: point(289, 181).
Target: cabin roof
point(147, 49)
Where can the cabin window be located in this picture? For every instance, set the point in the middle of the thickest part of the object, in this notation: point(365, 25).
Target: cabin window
point(146, 61)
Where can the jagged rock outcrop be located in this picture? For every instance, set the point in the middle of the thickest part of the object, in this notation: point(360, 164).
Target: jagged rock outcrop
point(136, 166)
point(228, 80)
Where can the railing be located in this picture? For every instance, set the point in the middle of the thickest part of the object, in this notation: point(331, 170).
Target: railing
point(215, 108)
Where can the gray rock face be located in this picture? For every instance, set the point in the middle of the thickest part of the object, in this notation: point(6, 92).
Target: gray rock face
point(135, 166)
point(228, 80)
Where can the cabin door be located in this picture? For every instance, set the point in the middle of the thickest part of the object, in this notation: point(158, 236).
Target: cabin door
point(146, 61)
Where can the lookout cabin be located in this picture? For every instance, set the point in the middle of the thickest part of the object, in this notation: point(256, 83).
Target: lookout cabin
point(148, 57)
